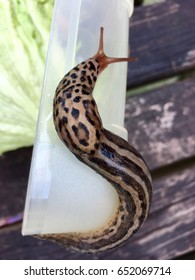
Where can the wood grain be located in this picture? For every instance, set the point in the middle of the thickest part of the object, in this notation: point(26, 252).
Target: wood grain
point(14, 171)
point(161, 124)
point(162, 38)
point(168, 232)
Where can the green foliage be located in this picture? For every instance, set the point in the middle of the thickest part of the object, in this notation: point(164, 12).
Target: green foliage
point(24, 34)
point(148, 2)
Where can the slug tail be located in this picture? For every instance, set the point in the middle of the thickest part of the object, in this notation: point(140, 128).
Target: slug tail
point(103, 59)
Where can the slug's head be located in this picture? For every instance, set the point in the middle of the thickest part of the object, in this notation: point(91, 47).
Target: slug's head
point(103, 59)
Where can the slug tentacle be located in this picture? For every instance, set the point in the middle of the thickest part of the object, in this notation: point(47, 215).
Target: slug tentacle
point(79, 126)
point(103, 59)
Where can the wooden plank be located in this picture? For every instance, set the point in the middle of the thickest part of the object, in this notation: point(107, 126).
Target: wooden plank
point(149, 127)
point(162, 38)
point(14, 171)
point(161, 124)
point(170, 227)
point(160, 117)
point(168, 232)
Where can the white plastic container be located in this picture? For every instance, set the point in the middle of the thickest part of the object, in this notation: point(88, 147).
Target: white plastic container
point(63, 194)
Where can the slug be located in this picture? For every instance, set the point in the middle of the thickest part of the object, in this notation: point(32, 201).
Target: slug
point(79, 126)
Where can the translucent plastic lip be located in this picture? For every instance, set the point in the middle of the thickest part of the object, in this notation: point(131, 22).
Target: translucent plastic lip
point(63, 194)
point(130, 4)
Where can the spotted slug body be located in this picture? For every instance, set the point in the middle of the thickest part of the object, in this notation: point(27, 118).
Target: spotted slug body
point(79, 126)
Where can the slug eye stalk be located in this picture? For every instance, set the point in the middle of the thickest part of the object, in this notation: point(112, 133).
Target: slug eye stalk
point(103, 59)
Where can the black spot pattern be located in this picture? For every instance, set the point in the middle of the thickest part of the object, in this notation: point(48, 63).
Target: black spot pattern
point(74, 76)
point(85, 92)
point(75, 129)
point(58, 91)
point(77, 99)
point(83, 142)
point(93, 102)
point(142, 218)
point(96, 146)
point(65, 84)
point(82, 79)
point(91, 66)
point(76, 68)
point(87, 115)
point(86, 104)
point(75, 113)
point(97, 134)
point(60, 125)
point(64, 120)
point(123, 217)
point(89, 80)
point(69, 95)
point(61, 101)
point(85, 129)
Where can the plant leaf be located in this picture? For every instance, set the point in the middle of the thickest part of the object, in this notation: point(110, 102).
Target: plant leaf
point(24, 35)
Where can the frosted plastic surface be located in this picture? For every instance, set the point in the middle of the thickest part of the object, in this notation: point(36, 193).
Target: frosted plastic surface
point(63, 194)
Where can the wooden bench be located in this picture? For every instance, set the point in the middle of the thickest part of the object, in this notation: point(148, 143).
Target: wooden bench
point(161, 124)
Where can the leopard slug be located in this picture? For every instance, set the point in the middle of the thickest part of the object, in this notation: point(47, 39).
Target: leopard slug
point(79, 126)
